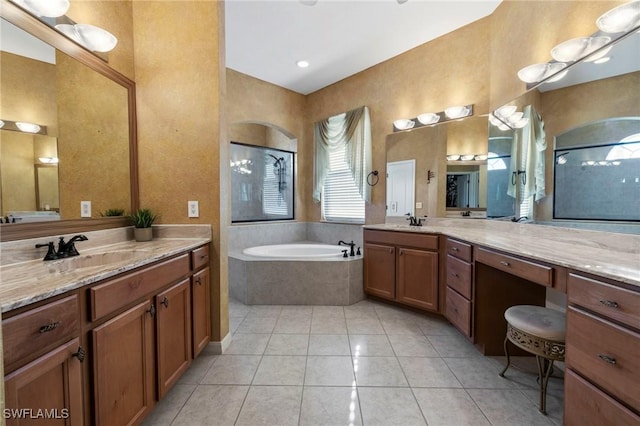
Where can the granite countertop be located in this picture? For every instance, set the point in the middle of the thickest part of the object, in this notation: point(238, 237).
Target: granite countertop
point(27, 282)
point(606, 254)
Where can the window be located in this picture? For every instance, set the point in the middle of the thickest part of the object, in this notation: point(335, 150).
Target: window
point(341, 201)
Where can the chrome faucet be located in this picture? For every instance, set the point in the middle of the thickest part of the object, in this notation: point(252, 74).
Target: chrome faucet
point(352, 252)
point(68, 249)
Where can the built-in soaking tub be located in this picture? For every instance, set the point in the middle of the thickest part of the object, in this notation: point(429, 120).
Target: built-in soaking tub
point(295, 274)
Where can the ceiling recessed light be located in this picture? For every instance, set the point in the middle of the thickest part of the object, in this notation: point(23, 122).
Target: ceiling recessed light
point(302, 64)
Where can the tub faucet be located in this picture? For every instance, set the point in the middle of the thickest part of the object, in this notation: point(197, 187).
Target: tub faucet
point(68, 249)
point(352, 252)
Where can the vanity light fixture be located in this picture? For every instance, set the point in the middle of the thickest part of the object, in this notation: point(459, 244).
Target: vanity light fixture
point(403, 124)
point(508, 117)
point(456, 112)
point(428, 118)
point(94, 38)
point(1, 124)
point(453, 157)
point(26, 127)
point(480, 157)
point(433, 118)
point(467, 157)
point(577, 48)
point(538, 72)
point(46, 8)
point(620, 19)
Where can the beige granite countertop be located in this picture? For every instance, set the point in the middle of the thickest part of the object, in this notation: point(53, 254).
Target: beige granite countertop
point(606, 254)
point(23, 283)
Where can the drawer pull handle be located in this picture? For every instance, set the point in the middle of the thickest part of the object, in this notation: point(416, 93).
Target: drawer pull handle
point(152, 310)
point(502, 262)
point(80, 354)
point(49, 327)
point(608, 359)
point(454, 248)
point(609, 303)
point(203, 256)
point(456, 275)
point(198, 281)
point(165, 302)
point(390, 250)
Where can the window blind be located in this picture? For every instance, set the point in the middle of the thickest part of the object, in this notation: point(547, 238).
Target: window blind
point(341, 201)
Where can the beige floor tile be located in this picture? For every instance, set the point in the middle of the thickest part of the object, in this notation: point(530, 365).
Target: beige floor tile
point(428, 373)
point(329, 344)
point(508, 408)
point(370, 345)
point(264, 311)
point(197, 370)
point(163, 414)
point(479, 373)
point(248, 344)
point(436, 326)
point(364, 326)
point(287, 344)
point(270, 406)
point(389, 407)
point(554, 405)
point(328, 325)
point(446, 407)
point(232, 370)
point(234, 323)
point(212, 404)
point(330, 406)
point(408, 345)
point(296, 310)
point(329, 371)
point(280, 370)
point(360, 311)
point(257, 325)
point(292, 324)
point(328, 312)
point(378, 371)
point(401, 326)
point(454, 346)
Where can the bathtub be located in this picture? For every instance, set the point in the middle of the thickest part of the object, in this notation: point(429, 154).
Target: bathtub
point(303, 273)
point(296, 251)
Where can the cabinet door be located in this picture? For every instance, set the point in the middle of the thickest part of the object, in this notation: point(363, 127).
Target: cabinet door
point(380, 270)
point(173, 330)
point(201, 314)
point(123, 367)
point(418, 278)
point(49, 387)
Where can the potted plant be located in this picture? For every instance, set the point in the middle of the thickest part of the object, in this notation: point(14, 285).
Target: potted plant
point(112, 212)
point(142, 221)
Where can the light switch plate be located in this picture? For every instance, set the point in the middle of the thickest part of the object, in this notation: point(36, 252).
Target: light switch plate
point(85, 208)
point(193, 209)
point(418, 205)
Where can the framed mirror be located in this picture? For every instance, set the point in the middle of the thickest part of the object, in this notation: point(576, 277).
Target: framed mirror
point(88, 110)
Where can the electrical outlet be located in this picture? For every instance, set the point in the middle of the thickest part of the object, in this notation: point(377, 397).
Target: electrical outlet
point(418, 205)
point(193, 209)
point(85, 208)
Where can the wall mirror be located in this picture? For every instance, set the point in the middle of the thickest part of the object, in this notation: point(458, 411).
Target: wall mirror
point(88, 110)
point(589, 93)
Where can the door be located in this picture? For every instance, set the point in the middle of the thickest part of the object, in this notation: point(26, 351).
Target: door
point(401, 187)
point(418, 278)
point(173, 331)
point(380, 270)
point(50, 386)
point(201, 313)
point(123, 367)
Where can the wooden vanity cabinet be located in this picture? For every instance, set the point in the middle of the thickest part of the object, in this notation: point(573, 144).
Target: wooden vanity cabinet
point(402, 266)
point(603, 343)
point(201, 310)
point(459, 285)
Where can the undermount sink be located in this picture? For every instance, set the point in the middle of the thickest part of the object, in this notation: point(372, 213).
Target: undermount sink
point(96, 259)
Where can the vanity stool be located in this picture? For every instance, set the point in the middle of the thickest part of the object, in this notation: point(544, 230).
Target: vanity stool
point(540, 331)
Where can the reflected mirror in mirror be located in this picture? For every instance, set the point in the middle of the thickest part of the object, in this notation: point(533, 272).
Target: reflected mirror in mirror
point(499, 202)
point(87, 120)
point(466, 187)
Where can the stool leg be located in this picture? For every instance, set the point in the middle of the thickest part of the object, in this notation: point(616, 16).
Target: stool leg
point(506, 352)
point(545, 366)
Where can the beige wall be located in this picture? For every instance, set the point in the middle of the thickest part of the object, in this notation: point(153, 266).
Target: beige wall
point(183, 152)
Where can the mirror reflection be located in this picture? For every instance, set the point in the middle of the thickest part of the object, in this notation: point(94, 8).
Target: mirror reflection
point(87, 123)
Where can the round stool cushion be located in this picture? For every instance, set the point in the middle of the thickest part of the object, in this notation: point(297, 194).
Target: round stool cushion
point(538, 321)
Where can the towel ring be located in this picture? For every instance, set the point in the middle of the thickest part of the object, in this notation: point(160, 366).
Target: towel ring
point(374, 179)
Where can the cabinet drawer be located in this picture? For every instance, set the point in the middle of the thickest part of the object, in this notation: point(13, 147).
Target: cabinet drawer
point(584, 404)
point(406, 239)
point(615, 302)
point(199, 257)
point(38, 329)
point(459, 249)
point(459, 276)
point(540, 274)
point(459, 311)
point(604, 353)
point(115, 294)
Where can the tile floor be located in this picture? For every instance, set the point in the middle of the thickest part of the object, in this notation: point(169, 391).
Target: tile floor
point(365, 364)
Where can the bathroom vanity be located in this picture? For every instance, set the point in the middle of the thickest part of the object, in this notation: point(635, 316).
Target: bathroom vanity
point(101, 343)
point(487, 266)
